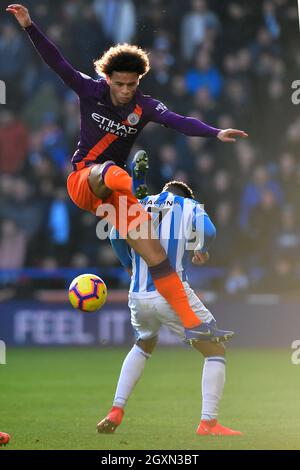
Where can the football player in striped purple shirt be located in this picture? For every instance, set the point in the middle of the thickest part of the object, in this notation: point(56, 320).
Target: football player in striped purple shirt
point(113, 113)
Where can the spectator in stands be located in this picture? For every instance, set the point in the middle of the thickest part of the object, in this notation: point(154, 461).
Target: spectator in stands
point(14, 58)
point(252, 193)
point(117, 19)
point(59, 226)
point(287, 235)
point(263, 222)
point(13, 244)
point(204, 74)
point(237, 281)
point(14, 140)
point(288, 176)
point(226, 234)
point(279, 279)
point(194, 26)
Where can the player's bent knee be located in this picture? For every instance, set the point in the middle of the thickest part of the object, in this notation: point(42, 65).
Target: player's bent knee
point(147, 345)
point(96, 182)
point(208, 348)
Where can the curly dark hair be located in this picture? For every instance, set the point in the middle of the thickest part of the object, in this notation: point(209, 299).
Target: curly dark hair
point(179, 188)
point(123, 58)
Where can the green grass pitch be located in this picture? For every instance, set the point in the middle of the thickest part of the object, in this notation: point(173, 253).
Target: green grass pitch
point(53, 398)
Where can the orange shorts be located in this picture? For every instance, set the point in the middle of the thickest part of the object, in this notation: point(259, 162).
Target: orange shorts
point(128, 213)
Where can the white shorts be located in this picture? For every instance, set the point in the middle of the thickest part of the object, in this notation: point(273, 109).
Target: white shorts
point(149, 313)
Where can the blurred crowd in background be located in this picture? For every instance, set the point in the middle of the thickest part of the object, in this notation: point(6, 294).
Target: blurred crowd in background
point(228, 63)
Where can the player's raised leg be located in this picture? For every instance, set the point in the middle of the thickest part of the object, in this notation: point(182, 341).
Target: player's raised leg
point(139, 167)
point(166, 280)
point(213, 381)
point(131, 372)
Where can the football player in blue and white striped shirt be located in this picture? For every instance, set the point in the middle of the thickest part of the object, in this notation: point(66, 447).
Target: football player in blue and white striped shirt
point(182, 225)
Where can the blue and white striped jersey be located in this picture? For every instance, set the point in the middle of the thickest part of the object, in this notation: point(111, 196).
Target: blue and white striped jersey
point(179, 223)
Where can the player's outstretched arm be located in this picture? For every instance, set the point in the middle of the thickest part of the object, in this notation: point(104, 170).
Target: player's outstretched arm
point(47, 50)
point(190, 126)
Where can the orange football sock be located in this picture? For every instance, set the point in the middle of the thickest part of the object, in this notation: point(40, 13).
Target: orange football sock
point(117, 179)
point(169, 285)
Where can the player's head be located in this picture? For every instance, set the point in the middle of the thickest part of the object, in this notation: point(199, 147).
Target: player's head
point(123, 66)
point(179, 189)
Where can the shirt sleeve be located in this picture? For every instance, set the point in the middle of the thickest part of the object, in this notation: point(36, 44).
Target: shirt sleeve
point(203, 229)
point(80, 83)
point(121, 248)
point(158, 112)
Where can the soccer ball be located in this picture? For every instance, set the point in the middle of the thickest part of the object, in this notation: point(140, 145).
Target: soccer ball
point(87, 292)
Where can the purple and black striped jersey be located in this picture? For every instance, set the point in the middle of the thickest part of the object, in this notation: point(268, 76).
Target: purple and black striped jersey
point(108, 132)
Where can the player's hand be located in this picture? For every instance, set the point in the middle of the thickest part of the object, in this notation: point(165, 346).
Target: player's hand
point(229, 135)
point(21, 14)
point(129, 270)
point(200, 258)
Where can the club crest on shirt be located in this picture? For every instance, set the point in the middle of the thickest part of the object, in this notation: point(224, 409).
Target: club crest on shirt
point(133, 119)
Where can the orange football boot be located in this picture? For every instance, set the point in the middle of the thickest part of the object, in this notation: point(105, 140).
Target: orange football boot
point(109, 424)
point(4, 438)
point(213, 428)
